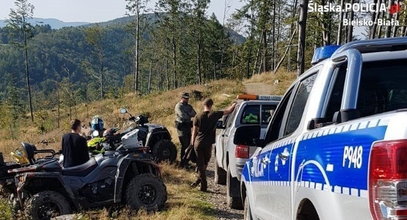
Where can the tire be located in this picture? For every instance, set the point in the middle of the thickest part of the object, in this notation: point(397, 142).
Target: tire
point(46, 205)
point(247, 211)
point(220, 174)
point(233, 202)
point(165, 150)
point(147, 192)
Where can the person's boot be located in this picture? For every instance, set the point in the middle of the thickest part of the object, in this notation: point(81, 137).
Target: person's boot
point(204, 186)
point(196, 183)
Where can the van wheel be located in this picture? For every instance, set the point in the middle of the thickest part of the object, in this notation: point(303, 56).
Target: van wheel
point(233, 185)
point(47, 205)
point(165, 150)
point(307, 211)
point(146, 191)
point(247, 211)
point(220, 175)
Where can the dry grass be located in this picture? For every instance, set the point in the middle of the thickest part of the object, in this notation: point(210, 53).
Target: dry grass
point(183, 202)
point(278, 82)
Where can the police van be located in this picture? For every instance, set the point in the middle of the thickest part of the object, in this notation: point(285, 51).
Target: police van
point(336, 147)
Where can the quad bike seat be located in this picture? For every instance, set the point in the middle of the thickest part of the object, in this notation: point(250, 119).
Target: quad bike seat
point(81, 170)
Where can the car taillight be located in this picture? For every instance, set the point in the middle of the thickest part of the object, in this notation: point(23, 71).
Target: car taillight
point(388, 180)
point(242, 151)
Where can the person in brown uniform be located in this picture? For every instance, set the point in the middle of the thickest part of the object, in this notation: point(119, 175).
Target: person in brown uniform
point(203, 136)
point(184, 112)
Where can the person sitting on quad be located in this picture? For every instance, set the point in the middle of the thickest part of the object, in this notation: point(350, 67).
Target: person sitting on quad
point(74, 146)
point(97, 124)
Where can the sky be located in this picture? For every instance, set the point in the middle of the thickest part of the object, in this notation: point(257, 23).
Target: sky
point(99, 10)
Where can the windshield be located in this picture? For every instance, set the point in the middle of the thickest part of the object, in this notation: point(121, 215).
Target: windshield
point(383, 87)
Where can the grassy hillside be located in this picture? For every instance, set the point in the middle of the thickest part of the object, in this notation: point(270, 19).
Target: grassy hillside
point(190, 204)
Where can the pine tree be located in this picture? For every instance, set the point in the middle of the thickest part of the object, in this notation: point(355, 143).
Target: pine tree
point(18, 23)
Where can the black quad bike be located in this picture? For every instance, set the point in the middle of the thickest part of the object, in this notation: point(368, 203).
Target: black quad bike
point(156, 139)
point(122, 177)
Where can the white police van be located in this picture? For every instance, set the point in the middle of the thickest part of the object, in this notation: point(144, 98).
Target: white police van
point(336, 147)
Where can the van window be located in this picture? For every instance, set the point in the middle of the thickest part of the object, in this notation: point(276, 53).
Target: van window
point(335, 99)
point(251, 115)
point(267, 112)
point(383, 87)
point(298, 105)
point(275, 125)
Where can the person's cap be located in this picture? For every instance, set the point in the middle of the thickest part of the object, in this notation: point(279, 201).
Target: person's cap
point(185, 95)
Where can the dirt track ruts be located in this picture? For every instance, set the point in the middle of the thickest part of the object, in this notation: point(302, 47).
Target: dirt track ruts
point(217, 195)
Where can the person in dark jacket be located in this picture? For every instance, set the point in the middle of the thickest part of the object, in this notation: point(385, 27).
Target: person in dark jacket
point(74, 146)
point(203, 137)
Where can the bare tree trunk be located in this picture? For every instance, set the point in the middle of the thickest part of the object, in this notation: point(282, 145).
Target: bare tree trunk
point(388, 17)
point(395, 28)
point(137, 50)
point(102, 81)
point(149, 78)
point(285, 52)
point(302, 24)
point(199, 60)
point(325, 27)
point(27, 75)
point(274, 33)
point(350, 27)
point(58, 110)
point(381, 16)
point(174, 62)
point(404, 30)
point(167, 74)
point(374, 19)
point(264, 60)
point(256, 61)
point(340, 26)
point(293, 28)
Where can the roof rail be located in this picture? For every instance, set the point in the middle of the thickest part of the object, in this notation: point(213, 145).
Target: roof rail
point(375, 45)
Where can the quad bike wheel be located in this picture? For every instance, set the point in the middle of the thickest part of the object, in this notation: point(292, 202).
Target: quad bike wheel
point(146, 191)
point(165, 150)
point(47, 205)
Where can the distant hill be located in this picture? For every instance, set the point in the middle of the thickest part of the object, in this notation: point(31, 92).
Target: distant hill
point(54, 23)
point(152, 17)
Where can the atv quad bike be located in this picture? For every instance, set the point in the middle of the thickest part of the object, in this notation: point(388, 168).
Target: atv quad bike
point(122, 177)
point(23, 156)
point(155, 138)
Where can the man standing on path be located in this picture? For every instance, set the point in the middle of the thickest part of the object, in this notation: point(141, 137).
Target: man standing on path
point(203, 136)
point(183, 114)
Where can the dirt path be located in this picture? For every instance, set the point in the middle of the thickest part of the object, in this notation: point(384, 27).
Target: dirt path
point(218, 196)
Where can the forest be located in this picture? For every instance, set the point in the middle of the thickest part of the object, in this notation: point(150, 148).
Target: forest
point(175, 44)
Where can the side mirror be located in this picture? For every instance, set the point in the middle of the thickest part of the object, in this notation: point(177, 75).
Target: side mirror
point(123, 111)
point(220, 125)
point(248, 135)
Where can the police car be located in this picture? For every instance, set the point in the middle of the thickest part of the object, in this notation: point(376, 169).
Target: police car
point(336, 147)
point(230, 158)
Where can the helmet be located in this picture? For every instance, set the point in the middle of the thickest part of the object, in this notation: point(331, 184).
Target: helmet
point(141, 119)
point(97, 123)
